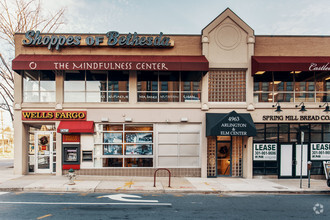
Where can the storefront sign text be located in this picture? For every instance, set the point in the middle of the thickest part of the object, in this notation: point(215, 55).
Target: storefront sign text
point(54, 115)
point(317, 67)
point(320, 151)
point(105, 66)
point(296, 118)
point(265, 152)
point(34, 38)
point(234, 124)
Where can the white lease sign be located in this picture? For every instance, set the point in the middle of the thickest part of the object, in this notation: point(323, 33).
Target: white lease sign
point(320, 151)
point(265, 151)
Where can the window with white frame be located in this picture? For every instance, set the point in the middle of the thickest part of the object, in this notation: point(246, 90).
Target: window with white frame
point(96, 86)
point(39, 86)
point(169, 86)
point(124, 145)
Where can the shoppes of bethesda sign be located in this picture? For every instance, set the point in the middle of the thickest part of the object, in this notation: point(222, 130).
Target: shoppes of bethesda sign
point(54, 115)
point(113, 39)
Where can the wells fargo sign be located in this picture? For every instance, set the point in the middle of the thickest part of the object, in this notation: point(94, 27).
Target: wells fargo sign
point(54, 115)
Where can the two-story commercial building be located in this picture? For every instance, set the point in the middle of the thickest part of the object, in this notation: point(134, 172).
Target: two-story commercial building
point(222, 103)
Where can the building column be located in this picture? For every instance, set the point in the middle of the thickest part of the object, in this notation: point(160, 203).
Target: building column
point(20, 145)
point(58, 151)
point(247, 159)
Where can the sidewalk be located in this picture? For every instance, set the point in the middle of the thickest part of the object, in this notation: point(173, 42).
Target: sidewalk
point(115, 184)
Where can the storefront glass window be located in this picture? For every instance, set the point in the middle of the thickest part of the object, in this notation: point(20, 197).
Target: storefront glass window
point(271, 132)
point(169, 86)
point(322, 80)
point(74, 86)
point(118, 86)
point(263, 87)
point(190, 86)
point(121, 145)
point(39, 86)
point(147, 86)
point(294, 86)
point(289, 134)
point(304, 87)
point(96, 86)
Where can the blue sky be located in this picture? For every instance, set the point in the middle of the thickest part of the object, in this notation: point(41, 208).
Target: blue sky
point(266, 17)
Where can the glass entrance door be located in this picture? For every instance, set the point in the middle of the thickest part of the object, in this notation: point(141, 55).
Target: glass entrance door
point(290, 163)
point(43, 152)
point(224, 158)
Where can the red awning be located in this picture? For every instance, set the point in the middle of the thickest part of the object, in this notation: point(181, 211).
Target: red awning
point(110, 62)
point(76, 127)
point(282, 63)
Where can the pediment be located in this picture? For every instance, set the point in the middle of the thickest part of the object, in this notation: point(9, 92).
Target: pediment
point(228, 20)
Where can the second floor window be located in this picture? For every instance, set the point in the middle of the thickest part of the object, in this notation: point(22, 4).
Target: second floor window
point(39, 86)
point(96, 86)
point(294, 86)
point(169, 86)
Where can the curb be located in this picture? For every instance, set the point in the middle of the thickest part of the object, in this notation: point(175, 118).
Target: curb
point(164, 191)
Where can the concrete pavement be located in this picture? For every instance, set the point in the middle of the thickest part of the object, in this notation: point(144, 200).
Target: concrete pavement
point(115, 184)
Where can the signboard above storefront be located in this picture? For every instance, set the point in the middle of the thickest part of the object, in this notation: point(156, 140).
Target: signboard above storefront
point(110, 39)
point(290, 118)
point(289, 63)
point(110, 62)
point(231, 124)
point(54, 115)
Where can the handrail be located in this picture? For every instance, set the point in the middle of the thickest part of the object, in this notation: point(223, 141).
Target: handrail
point(169, 176)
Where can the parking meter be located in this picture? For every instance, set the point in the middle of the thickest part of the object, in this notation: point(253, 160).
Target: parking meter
point(309, 167)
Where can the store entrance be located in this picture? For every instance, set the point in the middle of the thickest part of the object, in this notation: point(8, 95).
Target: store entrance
point(45, 152)
point(224, 158)
point(290, 160)
point(229, 156)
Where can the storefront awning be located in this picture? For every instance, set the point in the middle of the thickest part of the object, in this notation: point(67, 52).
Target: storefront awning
point(289, 63)
point(76, 127)
point(230, 124)
point(110, 62)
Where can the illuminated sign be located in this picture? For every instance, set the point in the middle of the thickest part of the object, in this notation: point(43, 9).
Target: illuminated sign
point(54, 115)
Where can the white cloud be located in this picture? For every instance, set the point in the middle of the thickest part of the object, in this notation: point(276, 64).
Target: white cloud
point(190, 16)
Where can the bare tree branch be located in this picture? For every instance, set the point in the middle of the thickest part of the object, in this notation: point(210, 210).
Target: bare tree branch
point(19, 16)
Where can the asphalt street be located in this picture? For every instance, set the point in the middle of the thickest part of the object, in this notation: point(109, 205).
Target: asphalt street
point(162, 206)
